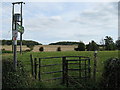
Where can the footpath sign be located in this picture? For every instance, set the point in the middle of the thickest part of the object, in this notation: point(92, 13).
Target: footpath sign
point(15, 35)
point(20, 28)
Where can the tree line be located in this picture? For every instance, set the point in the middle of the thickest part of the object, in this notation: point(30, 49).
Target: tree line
point(106, 44)
point(65, 43)
point(24, 42)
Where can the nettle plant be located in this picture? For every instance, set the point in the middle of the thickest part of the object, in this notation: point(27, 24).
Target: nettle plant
point(111, 73)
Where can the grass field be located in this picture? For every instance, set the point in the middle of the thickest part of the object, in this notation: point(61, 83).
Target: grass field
point(101, 57)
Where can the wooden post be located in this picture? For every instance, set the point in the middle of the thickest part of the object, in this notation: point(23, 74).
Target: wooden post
point(39, 75)
point(85, 69)
point(80, 67)
point(66, 72)
point(21, 33)
point(15, 56)
point(89, 70)
point(12, 26)
point(35, 64)
point(31, 60)
point(15, 50)
point(63, 69)
point(95, 66)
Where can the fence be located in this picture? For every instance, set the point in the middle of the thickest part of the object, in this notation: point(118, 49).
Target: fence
point(75, 67)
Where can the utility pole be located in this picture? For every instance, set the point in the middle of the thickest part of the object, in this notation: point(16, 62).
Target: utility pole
point(16, 19)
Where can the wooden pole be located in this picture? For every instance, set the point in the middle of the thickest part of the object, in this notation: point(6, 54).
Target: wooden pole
point(63, 69)
point(35, 64)
point(31, 60)
point(89, 70)
point(85, 70)
point(39, 75)
point(15, 51)
point(12, 26)
point(95, 66)
point(21, 33)
point(80, 67)
point(66, 73)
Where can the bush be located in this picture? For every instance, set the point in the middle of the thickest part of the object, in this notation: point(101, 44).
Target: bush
point(59, 49)
point(41, 49)
point(111, 74)
point(81, 47)
point(12, 79)
point(92, 46)
point(6, 51)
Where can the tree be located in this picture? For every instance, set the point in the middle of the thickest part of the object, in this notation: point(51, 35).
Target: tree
point(118, 44)
point(109, 44)
point(92, 46)
point(102, 44)
point(81, 47)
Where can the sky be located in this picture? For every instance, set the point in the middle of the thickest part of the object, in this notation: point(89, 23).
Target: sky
point(48, 22)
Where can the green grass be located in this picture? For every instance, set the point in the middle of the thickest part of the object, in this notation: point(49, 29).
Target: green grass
point(25, 58)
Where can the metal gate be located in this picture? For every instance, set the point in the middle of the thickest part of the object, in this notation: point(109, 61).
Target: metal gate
point(64, 68)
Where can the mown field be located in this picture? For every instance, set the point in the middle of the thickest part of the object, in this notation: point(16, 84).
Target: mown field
point(46, 47)
point(101, 57)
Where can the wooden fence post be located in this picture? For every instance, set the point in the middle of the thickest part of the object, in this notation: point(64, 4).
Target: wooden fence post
point(89, 69)
point(80, 67)
point(35, 64)
point(66, 73)
point(31, 60)
point(63, 69)
point(85, 70)
point(95, 66)
point(39, 75)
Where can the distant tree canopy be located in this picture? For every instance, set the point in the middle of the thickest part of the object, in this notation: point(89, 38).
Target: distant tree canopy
point(92, 46)
point(118, 44)
point(109, 44)
point(81, 47)
point(24, 42)
point(65, 43)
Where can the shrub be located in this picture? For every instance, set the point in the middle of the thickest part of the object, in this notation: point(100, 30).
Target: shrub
point(6, 51)
point(81, 47)
point(41, 49)
point(111, 74)
point(92, 46)
point(15, 79)
point(59, 49)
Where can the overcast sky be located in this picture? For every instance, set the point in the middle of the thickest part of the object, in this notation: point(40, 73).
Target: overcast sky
point(48, 22)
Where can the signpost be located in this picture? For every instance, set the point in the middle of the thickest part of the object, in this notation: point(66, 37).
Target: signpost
point(20, 28)
point(16, 19)
point(15, 35)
